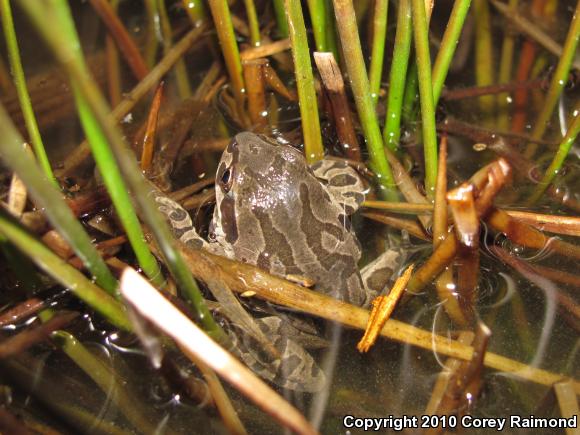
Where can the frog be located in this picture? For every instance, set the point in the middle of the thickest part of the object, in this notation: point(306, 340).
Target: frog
point(289, 218)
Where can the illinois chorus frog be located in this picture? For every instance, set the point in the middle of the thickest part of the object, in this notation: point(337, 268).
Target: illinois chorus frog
point(275, 211)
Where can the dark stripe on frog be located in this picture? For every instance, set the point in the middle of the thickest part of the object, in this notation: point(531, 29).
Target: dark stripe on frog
point(275, 242)
point(343, 180)
point(327, 259)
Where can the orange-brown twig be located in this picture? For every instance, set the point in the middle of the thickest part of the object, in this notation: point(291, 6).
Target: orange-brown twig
point(383, 307)
point(151, 131)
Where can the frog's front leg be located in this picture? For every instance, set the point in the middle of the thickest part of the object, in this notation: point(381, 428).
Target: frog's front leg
point(342, 182)
point(377, 274)
point(181, 224)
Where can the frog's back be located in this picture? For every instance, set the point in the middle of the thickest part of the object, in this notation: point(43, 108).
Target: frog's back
point(275, 213)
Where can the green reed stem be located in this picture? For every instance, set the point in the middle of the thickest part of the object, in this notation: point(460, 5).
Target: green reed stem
point(484, 64)
point(22, 89)
point(42, 17)
point(61, 271)
point(153, 30)
point(448, 46)
point(47, 196)
point(304, 82)
point(222, 19)
point(420, 32)
point(398, 74)
point(253, 22)
point(318, 16)
point(331, 43)
point(559, 79)
point(106, 163)
point(505, 69)
point(359, 82)
point(281, 22)
point(378, 50)
point(180, 71)
point(411, 95)
point(559, 158)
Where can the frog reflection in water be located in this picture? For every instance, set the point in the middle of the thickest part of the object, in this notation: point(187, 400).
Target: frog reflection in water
point(275, 211)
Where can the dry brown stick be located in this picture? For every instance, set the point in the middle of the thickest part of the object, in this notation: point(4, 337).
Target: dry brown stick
point(243, 277)
point(481, 134)
point(528, 271)
point(265, 50)
point(412, 227)
point(151, 131)
point(82, 152)
point(29, 337)
point(183, 193)
point(568, 403)
point(256, 92)
point(478, 91)
point(569, 225)
point(21, 311)
point(119, 33)
point(276, 84)
point(334, 85)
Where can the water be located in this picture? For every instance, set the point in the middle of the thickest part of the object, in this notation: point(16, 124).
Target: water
point(529, 322)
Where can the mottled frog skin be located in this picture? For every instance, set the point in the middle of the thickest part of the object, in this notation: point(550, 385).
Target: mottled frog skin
point(275, 211)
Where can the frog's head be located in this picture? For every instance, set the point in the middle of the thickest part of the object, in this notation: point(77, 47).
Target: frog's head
point(256, 176)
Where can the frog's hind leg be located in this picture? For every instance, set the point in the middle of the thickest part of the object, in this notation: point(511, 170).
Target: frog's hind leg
point(342, 182)
point(377, 274)
point(295, 370)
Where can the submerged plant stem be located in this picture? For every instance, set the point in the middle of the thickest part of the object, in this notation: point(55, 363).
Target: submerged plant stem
point(22, 90)
point(378, 50)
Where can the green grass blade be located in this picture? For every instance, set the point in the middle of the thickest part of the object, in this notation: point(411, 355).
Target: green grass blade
point(48, 197)
point(42, 17)
point(63, 272)
point(22, 90)
point(448, 45)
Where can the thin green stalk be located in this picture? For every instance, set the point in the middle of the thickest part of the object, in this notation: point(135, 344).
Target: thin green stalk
point(220, 12)
point(153, 32)
point(63, 272)
point(42, 17)
point(304, 82)
point(559, 79)
point(253, 22)
point(505, 70)
point(359, 82)
point(398, 74)
point(46, 196)
point(448, 45)
point(420, 32)
point(22, 90)
point(180, 71)
point(484, 64)
point(107, 166)
point(318, 15)
point(378, 50)
point(196, 11)
point(281, 22)
point(331, 42)
point(560, 156)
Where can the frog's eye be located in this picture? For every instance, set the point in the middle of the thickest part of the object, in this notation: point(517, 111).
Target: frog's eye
point(226, 180)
